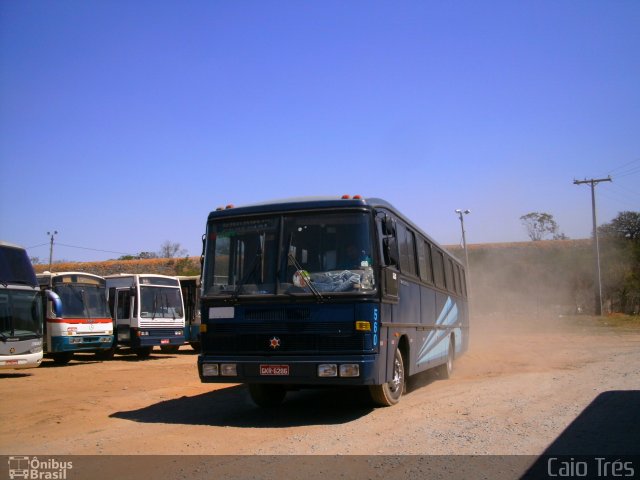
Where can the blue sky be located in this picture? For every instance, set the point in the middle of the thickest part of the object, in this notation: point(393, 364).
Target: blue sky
point(123, 123)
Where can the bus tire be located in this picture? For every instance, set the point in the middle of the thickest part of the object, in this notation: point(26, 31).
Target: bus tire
point(143, 352)
point(446, 369)
point(389, 393)
point(169, 348)
point(62, 358)
point(267, 395)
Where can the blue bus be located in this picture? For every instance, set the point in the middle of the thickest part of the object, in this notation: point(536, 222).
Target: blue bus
point(326, 292)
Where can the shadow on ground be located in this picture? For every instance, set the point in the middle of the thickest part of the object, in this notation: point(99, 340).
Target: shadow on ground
point(608, 428)
point(232, 407)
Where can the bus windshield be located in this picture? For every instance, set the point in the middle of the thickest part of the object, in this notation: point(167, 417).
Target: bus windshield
point(316, 254)
point(20, 314)
point(15, 267)
point(160, 302)
point(82, 301)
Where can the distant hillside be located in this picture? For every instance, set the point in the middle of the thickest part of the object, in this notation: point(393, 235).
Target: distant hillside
point(163, 266)
point(518, 277)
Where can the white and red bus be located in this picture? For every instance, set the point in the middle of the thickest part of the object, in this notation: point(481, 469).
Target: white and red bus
point(84, 324)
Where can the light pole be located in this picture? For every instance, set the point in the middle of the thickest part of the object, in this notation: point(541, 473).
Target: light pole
point(55, 232)
point(461, 214)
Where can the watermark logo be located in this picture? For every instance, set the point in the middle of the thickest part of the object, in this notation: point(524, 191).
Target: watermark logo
point(38, 469)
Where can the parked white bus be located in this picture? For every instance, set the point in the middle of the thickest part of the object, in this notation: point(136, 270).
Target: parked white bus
point(20, 309)
point(147, 310)
point(85, 324)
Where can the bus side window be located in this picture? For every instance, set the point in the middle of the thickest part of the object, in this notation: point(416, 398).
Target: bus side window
point(403, 243)
point(457, 278)
point(424, 261)
point(438, 268)
point(448, 276)
point(408, 253)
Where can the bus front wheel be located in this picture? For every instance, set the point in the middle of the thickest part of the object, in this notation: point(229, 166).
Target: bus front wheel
point(267, 395)
point(106, 354)
point(143, 352)
point(62, 358)
point(389, 393)
point(171, 349)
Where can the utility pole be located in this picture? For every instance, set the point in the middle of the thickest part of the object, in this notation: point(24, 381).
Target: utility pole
point(596, 248)
point(55, 232)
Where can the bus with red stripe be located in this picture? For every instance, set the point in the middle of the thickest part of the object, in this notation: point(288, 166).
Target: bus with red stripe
point(84, 324)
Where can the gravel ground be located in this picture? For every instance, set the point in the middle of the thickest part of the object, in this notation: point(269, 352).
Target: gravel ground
point(523, 388)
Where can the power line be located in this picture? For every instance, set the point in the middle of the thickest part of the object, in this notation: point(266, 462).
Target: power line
point(624, 165)
point(93, 249)
point(36, 246)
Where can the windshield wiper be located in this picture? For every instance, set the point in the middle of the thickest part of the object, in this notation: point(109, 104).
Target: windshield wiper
point(313, 289)
point(166, 304)
point(249, 274)
point(155, 305)
point(85, 302)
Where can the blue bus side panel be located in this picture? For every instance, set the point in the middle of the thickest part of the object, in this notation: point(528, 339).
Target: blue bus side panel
point(428, 306)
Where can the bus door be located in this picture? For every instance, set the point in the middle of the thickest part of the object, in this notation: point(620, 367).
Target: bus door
point(122, 306)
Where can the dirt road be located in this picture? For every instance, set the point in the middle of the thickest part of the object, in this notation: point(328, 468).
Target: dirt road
point(522, 383)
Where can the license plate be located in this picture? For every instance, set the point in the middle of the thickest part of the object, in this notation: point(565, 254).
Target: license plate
point(164, 341)
point(11, 362)
point(281, 370)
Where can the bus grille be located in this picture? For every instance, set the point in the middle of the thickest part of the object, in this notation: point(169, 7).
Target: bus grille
point(293, 339)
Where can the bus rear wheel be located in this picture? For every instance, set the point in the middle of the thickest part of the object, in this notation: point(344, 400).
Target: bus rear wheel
point(446, 370)
point(389, 393)
point(266, 395)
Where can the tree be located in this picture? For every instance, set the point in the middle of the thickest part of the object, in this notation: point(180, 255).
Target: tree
point(171, 249)
point(539, 225)
point(625, 225)
point(139, 256)
point(621, 261)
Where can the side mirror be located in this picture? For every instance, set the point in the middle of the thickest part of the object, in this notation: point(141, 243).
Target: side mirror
point(55, 302)
point(388, 226)
point(391, 251)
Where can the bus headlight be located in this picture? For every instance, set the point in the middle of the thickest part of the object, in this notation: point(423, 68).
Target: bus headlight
point(228, 370)
point(210, 370)
point(350, 370)
point(328, 370)
point(178, 332)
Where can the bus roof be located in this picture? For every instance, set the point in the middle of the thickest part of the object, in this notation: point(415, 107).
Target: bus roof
point(300, 203)
point(319, 203)
point(59, 274)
